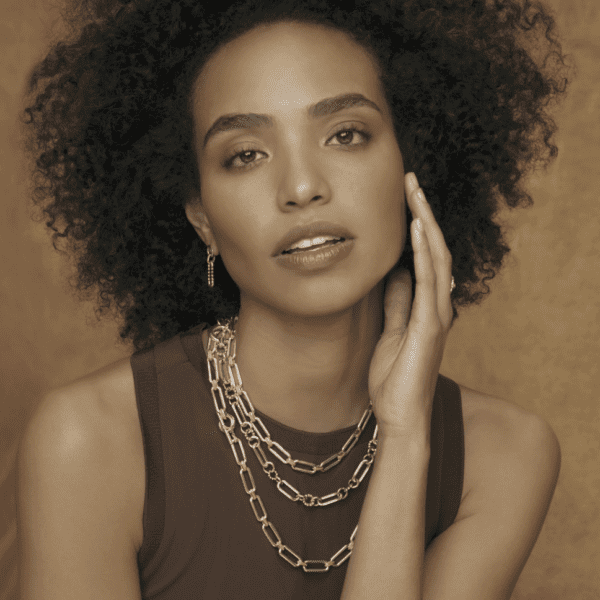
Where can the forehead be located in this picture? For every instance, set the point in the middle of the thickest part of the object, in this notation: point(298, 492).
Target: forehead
point(280, 69)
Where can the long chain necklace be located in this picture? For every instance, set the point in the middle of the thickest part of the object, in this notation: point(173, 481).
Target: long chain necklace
point(223, 370)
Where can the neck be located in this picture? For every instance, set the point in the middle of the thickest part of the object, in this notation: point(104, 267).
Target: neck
point(309, 373)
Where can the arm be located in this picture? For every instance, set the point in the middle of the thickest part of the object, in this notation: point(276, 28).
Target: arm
point(481, 555)
point(388, 554)
point(73, 509)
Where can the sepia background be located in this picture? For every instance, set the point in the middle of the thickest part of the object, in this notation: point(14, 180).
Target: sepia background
point(533, 341)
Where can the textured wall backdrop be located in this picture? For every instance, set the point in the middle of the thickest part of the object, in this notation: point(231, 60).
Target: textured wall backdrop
point(533, 341)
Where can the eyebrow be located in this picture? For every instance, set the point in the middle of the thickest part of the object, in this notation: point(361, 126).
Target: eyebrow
point(322, 108)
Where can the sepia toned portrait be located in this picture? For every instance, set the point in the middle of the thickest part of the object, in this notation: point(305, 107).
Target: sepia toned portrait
point(300, 300)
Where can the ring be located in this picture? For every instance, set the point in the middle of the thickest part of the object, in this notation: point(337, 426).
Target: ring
point(453, 285)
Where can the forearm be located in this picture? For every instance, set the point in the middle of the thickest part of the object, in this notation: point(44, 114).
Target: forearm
point(387, 558)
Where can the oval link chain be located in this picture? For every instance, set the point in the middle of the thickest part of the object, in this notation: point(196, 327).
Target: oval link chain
point(233, 395)
point(227, 424)
point(225, 351)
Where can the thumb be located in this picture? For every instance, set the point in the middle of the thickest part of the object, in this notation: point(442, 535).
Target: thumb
point(397, 300)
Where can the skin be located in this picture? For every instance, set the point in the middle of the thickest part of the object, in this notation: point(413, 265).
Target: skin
point(305, 342)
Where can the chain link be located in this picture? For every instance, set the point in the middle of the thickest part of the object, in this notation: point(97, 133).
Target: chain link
point(221, 342)
point(281, 453)
point(224, 362)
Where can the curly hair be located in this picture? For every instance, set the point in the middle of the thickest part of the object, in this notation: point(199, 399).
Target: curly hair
point(110, 136)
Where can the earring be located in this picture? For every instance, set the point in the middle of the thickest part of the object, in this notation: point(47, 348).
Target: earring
point(211, 261)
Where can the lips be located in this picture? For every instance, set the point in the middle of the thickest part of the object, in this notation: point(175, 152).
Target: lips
point(309, 231)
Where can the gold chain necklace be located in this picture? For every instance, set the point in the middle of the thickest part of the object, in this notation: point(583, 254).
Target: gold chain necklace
point(223, 345)
point(223, 369)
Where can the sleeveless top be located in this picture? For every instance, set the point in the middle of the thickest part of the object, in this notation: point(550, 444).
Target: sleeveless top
point(202, 540)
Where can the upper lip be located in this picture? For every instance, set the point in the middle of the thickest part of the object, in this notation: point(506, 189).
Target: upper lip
point(311, 230)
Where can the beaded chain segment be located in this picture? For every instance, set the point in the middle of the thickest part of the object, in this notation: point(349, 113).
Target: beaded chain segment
point(223, 370)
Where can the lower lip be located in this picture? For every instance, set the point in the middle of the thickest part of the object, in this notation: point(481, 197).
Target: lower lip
point(308, 261)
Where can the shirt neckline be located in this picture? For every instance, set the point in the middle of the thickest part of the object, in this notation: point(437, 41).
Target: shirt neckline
point(304, 442)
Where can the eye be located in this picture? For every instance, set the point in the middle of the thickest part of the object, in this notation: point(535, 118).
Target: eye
point(243, 158)
point(348, 133)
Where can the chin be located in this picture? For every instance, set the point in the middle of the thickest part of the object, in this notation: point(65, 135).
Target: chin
point(329, 299)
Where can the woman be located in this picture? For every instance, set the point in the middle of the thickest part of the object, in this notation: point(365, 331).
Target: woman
point(288, 145)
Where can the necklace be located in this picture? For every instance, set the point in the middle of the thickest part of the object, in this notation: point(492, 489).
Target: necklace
point(222, 343)
point(223, 370)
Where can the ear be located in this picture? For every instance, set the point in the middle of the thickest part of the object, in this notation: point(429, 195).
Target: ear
point(196, 215)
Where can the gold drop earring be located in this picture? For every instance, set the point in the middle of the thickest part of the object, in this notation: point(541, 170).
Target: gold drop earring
point(211, 261)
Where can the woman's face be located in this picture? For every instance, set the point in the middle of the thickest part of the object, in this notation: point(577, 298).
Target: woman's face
point(261, 176)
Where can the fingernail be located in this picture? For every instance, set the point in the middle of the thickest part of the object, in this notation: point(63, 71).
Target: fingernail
point(412, 179)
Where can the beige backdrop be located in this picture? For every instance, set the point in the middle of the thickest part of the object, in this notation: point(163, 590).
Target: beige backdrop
point(533, 341)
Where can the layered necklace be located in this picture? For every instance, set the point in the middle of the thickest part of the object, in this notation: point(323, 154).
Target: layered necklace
point(226, 383)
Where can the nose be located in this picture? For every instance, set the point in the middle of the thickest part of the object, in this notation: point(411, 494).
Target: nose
point(303, 182)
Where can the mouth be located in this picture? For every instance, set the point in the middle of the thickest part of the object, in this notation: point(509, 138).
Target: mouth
point(311, 238)
point(317, 259)
point(315, 247)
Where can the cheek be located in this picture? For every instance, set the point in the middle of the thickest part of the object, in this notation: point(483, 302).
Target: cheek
point(233, 214)
point(383, 186)
point(391, 180)
point(241, 224)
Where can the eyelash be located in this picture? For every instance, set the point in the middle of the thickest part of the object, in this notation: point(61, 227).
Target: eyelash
point(228, 164)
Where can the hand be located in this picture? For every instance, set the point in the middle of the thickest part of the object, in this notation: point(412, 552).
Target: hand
point(405, 365)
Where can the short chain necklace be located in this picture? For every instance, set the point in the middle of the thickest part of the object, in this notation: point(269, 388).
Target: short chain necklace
point(223, 370)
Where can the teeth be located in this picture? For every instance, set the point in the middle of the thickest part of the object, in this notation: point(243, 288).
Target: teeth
point(307, 243)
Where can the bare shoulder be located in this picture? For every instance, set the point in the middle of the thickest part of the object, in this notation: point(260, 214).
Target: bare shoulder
point(102, 398)
point(81, 485)
point(110, 392)
point(497, 429)
point(109, 383)
point(108, 399)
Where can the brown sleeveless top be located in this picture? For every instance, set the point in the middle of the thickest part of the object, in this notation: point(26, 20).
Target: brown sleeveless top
point(201, 538)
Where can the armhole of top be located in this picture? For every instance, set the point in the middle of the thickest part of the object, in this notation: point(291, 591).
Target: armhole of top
point(453, 456)
point(146, 396)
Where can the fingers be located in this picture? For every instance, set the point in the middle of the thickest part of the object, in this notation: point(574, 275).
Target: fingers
point(397, 301)
point(424, 312)
point(434, 261)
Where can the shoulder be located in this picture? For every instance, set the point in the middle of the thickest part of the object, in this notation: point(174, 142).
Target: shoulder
point(78, 487)
point(500, 435)
point(484, 414)
point(512, 462)
point(94, 402)
point(99, 411)
point(105, 398)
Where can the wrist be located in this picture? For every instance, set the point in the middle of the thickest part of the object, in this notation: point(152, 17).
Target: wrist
point(417, 445)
